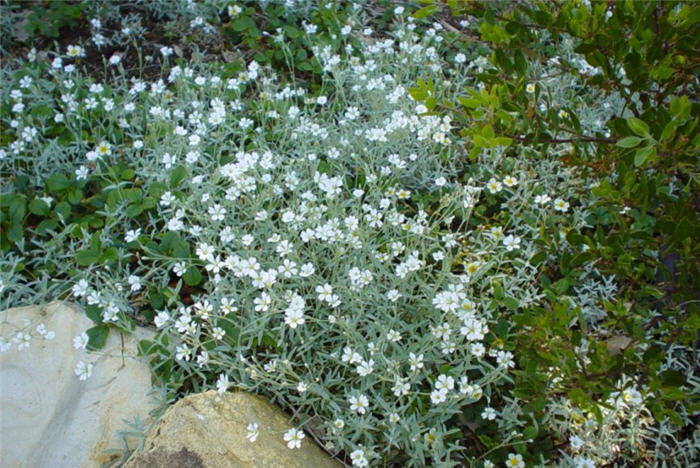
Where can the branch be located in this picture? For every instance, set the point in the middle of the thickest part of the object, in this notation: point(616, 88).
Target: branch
point(580, 139)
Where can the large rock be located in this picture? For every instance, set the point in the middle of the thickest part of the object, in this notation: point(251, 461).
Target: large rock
point(48, 416)
point(209, 431)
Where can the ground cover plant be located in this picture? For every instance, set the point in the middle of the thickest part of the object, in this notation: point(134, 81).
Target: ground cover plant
point(437, 235)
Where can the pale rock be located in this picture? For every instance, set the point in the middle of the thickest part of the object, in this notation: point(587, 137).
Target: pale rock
point(208, 430)
point(48, 416)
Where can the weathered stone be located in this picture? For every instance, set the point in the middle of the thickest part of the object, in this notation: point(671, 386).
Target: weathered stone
point(208, 430)
point(48, 416)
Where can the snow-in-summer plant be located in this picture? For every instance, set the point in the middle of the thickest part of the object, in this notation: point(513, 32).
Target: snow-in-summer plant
point(335, 250)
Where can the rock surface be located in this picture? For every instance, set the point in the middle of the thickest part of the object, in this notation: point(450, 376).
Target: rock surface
point(209, 431)
point(48, 416)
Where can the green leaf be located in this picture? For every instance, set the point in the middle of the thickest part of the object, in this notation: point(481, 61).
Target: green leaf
point(62, 210)
point(75, 196)
point(39, 207)
point(15, 232)
point(192, 276)
point(128, 174)
point(87, 257)
point(17, 208)
point(177, 175)
point(425, 12)
point(132, 211)
point(94, 313)
point(578, 396)
point(110, 254)
point(97, 337)
point(471, 103)
point(629, 142)
point(243, 23)
point(45, 226)
point(638, 126)
point(510, 303)
point(418, 94)
point(580, 259)
point(57, 182)
point(644, 154)
point(529, 433)
point(538, 258)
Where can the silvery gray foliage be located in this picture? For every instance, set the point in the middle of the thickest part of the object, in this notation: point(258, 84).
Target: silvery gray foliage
point(345, 275)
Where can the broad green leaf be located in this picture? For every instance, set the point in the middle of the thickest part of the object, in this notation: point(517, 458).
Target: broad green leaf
point(629, 142)
point(39, 207)
point(644, 154)
point(57, 182)
point(192, 276)
point(97, 337)
point(638, 126)
point(425, 12)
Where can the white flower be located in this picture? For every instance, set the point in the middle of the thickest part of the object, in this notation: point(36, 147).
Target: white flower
point(494, 186)
point(80, 289)
point(575, 442)
point(632, 395)
point(511, 242)
point(81, 341)
point(561, 205)
point(515, 461)
point(358, 458)
point(179, 269)
point(74, 51)
point(583, 462)
point(358, 404)
point(438, 396)
point(542, 199)
point(252, 432)
point(445, 383)
point(393, 335)
point(83, 370)
point(416, 362)
point(460, 58)
point(393, 295)
point(132, 235)
point(365, 368)
point(22, 340)
point(293, 438)
point(134, 283)
point(184, 353)
point(44, 333)
point(510, 181)
point(489, 414)
point(233, 12)
point(505, 359)
point(530, 88)
point(222, 384)
point(161, 319)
